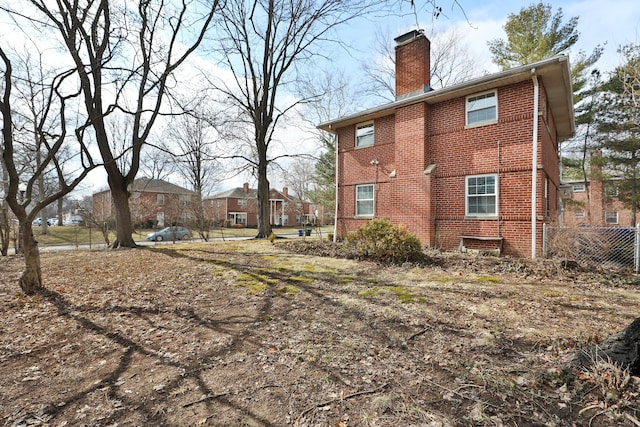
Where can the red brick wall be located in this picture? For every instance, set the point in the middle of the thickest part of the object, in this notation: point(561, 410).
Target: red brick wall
point(433, 206)
point(412, 65)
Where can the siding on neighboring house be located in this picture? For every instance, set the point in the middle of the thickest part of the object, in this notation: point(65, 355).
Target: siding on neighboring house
point(423, 153)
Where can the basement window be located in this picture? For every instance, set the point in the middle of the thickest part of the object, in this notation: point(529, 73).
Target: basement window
point(482, 109)
point(364, 134)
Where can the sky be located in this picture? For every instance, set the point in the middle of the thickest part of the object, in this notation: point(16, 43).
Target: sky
point(611, 23)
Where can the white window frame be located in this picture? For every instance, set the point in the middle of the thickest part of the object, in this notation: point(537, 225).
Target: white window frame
point(361, 202)
point(495, 194)
point(611, 218)
point(238, 218)
point(242, 202)
point(579, 214)
point(579, 188)
point(481, 102)
point(611, 191)
point(160, 199)
point(364, 136)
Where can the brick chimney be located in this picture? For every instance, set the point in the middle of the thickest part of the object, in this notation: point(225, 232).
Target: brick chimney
point(245, 187)
point(413, 63)
point(285, 191)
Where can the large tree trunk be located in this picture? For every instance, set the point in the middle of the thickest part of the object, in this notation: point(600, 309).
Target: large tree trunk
point(31, 279)
point(124, 225)
point(264, 223)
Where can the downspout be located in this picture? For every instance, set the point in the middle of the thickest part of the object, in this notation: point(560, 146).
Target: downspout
point(335, 214)
point(534, 163)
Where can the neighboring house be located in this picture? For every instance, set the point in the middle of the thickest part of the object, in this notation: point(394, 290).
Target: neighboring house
point(238, 207)
point(153, 203)
point(594, 202)
point(474, 165)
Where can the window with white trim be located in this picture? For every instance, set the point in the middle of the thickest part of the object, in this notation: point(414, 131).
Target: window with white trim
point(579, 214)
point(364, 200)
point(611, 191)
point(481, 196)
point(611, 217)
point(238, 218)
point(364, 134)
point(482, 109)
point(242, 202)
point(160, 199)
point(579, 188)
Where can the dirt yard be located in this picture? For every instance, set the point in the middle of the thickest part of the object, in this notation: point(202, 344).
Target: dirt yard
point(250, 334)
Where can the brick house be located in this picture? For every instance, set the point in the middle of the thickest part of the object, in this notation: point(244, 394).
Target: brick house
point(153, 203)
point(238, 207)
point(474, 165)
point(594, 202)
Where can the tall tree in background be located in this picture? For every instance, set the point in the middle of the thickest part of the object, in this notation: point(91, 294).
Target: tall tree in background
point(265, 44)
point(534, 34)
point(192, 139)
point(618, 124)
point(124, 59)
point(335, 100)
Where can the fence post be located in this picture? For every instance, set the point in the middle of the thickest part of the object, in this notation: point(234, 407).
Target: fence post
point(636, 249)
point(544, 239)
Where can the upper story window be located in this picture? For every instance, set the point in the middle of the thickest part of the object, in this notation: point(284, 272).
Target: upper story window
point(482, 109)
point(184, 200)
point(482, 195)
point(160, 199)
point(364, 200)
point(242, 202)
point(611, 191)
point(364, 134)
point(611, 217)
point(579, 188)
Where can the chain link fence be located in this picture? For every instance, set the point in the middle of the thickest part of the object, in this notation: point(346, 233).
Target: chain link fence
point(594, 247)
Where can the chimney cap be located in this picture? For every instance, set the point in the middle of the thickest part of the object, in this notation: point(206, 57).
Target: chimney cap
point(409, 36)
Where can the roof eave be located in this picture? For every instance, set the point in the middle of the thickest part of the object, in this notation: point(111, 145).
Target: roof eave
point(554, 72)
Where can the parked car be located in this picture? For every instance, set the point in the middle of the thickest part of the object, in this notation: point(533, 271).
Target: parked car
point(37, 222)
point(52, 221)
point(170, 233)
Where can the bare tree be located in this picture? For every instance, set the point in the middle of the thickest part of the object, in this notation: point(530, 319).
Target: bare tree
point(192, 140)
point(124, 60)
point(20, 186)
point(336, 100)
point(156, 163)
point(452, 61)
point(265, 44)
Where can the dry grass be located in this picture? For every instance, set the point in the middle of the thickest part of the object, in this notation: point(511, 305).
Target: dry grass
point(249, 334)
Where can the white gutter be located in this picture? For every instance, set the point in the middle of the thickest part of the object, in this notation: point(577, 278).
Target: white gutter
point(534, 163)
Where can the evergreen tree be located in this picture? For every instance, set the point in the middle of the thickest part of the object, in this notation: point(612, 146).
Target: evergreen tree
point(618, 125)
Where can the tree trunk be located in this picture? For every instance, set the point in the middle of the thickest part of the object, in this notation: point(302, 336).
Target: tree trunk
point(31, 279)
point(264, 223)
point(5, 230)
point(124, 225)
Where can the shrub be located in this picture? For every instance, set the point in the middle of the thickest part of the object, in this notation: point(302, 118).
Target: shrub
point(381, 241)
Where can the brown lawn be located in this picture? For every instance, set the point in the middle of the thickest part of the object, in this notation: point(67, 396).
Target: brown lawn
point(250, 334)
